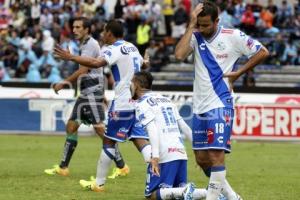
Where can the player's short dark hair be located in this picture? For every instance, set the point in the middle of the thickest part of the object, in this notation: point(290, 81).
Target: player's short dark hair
point(144, 79)
point(211, 9)
point(86, 23)
point(115, 27)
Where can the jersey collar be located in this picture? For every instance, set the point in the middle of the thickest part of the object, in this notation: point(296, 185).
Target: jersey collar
point(215, 35)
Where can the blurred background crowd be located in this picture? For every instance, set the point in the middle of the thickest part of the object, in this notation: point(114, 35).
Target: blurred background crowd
point(29, 30)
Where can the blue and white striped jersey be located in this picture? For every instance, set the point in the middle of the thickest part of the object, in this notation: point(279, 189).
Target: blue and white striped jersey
point(125, 60)
point(213, 59)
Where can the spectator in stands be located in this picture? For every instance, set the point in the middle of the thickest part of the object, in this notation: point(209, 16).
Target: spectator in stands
point(3, 73)
point(155, 16)
point(265, 23)
point(35, 12)
point(46, 19)
point(290, 53)
point(248, 79)
point(297, 8)
point(68, 67)
point(274, 10)
point(33, 74)
point(285, 13)
point(37, 46)
point(119, 7)
point(276, 49)
point(143, 35)
point(89, 8)
point(239, 9)
point(54, 76)
point(226, 19)
point(160, 58)
point(256, 8)
point(168, 12)
point(25, 57)
point(14, 38)
point(248, 20)
point(10, 56)
point(180, 20)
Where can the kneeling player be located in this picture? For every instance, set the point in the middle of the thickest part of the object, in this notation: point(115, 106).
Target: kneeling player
point(167, 172)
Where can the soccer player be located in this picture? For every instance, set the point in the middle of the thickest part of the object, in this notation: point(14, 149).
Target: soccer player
point(124, 60)
point(88, 108)
point(216, 51)
point(167, 173)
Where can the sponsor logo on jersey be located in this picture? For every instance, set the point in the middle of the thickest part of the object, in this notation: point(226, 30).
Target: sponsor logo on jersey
point(126, 50)
point(220, 139)
point(151, 101)
point(121, 135)
point(175, 149)
point(222, 56)
point(227, 31)
point(202, 46)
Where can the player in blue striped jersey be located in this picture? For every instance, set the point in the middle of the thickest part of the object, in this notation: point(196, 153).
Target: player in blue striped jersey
point(216, 51)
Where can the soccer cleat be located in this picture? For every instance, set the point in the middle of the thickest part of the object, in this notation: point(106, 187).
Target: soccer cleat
point(119, 172)
point(57, 170)
point(188, 191)
point(91, 185)
point(222, 197)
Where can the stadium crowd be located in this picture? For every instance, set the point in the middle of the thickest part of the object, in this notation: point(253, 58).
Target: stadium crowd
point(29, 30)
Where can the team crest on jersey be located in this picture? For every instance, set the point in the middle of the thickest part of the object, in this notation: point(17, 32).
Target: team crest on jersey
point(221, 46)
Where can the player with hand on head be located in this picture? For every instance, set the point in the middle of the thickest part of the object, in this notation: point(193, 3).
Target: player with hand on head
point(167, 172)
point(216, 50)
point(88, 108)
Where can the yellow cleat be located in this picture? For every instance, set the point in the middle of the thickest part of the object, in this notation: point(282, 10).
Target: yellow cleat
point(119, 172)
point(57, 170)
point(91, 185)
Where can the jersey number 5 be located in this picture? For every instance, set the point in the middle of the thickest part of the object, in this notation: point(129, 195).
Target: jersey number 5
point(136, 64)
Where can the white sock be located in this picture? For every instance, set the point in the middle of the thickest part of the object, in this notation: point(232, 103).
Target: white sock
point(146, 152)
point(216, 182)
point(171, 193)
point(199, 193)
point(228, 191)
point(103, 166)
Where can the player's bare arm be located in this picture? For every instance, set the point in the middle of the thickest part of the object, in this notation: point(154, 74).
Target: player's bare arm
point(259, 57)
point(71, 79)
point(183, 48)
point(86, 61)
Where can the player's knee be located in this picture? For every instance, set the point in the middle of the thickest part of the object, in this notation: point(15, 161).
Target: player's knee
point(100, 129)
point(203, 163)
point(72, 127)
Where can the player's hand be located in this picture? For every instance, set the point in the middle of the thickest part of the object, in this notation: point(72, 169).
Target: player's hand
point(232, 77)
point(61, 53)
point(59, 86)
point(195, 13)
point(155, 166)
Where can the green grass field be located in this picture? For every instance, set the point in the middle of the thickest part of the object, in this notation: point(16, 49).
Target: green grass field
point(258, 171)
